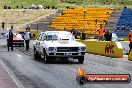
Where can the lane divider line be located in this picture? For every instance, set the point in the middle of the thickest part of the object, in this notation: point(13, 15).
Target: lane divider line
point(18, 83)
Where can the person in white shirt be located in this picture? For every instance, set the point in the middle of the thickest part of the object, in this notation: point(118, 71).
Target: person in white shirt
point(27, 37)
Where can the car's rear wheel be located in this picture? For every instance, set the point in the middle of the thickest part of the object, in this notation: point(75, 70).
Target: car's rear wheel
point(36, 54)
point(81, 59)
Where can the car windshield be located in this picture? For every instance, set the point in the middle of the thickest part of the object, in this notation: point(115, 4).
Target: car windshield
point(51, 37)
point(66, 36)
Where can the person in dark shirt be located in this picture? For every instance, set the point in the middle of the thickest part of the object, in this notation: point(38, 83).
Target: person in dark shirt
point(108, 35)
point(10, 40)
point(3, 25)
point(130, 40)
point(83, 35)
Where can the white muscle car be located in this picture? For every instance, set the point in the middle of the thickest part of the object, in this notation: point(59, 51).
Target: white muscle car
point(58, 44)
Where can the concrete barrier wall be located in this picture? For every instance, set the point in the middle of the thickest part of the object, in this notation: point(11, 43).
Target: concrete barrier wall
point(105, 48)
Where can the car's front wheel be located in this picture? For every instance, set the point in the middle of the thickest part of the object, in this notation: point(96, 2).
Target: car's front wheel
point(81, 59)
point(36, 54)
point(46, 57)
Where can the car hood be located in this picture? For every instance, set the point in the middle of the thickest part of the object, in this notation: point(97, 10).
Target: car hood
point(64, 43)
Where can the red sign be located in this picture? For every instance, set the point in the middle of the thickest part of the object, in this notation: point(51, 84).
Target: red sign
point(83, 78)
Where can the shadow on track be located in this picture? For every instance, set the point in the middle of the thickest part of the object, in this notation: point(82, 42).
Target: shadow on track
point(57, 61)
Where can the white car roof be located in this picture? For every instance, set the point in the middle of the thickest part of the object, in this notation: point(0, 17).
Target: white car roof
point(47, 32)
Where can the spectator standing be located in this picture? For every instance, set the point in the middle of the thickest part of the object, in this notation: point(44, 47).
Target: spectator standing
point(10, 40)
point(108, 35)
point(130, 39)
point(3, 25)
point(83, 36)
point(27, 37)
point(101, 33)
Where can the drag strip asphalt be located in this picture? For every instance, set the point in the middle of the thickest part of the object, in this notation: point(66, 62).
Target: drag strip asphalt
point(60, 74)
